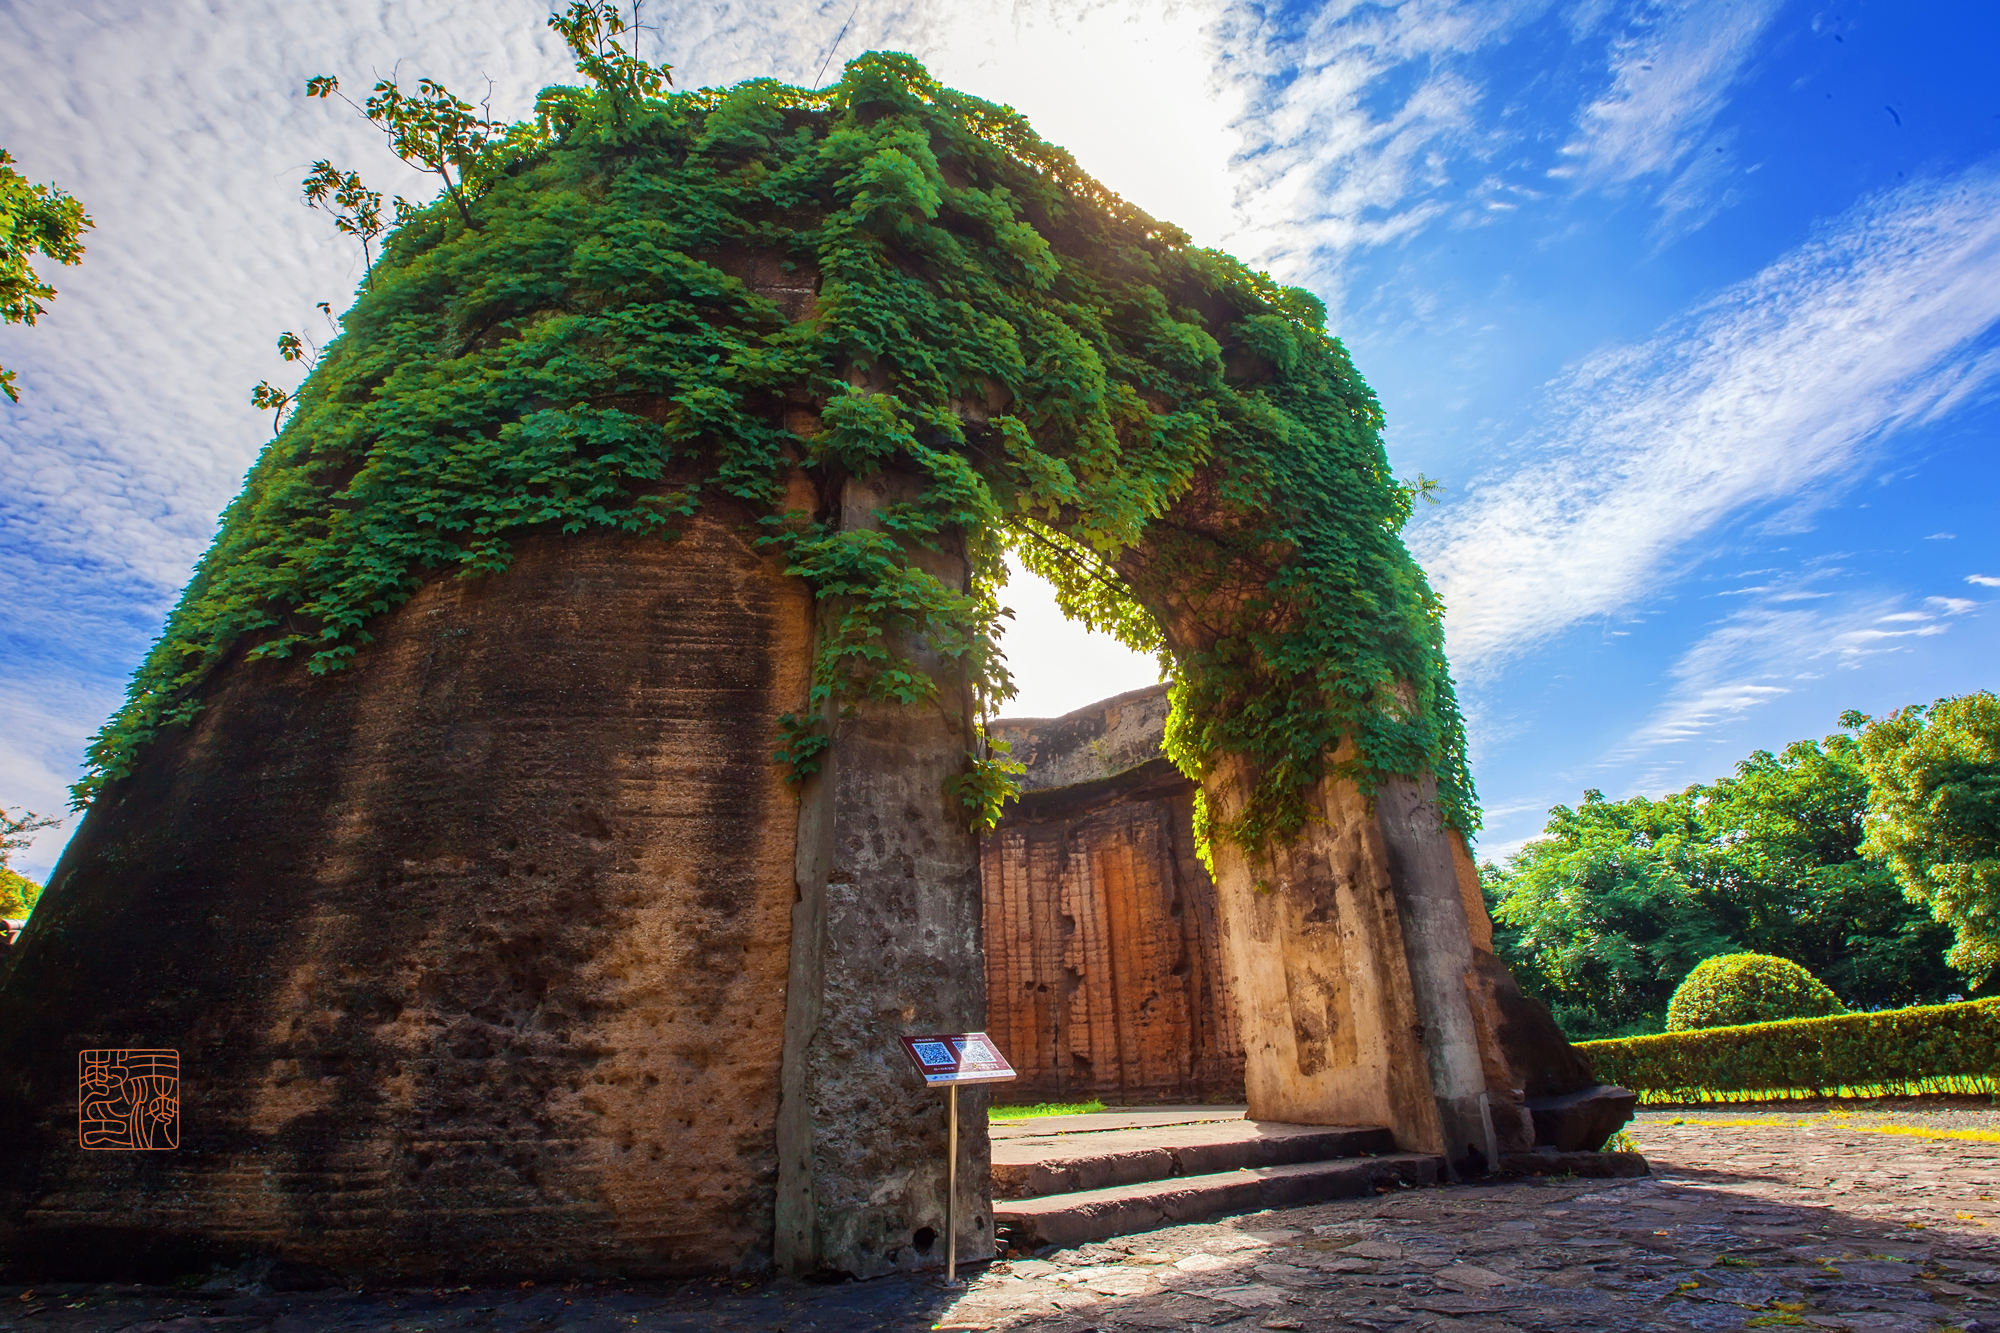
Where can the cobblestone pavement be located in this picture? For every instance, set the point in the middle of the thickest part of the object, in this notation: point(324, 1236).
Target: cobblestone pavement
point(1818, 1221)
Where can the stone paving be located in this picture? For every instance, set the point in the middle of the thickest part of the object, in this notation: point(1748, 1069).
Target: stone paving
point(1754, 1219)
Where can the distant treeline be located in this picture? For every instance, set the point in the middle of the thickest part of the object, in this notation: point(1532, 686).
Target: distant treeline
point(1871, 857)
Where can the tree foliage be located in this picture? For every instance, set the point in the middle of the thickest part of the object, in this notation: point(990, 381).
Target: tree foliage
point(34, 219)
point(17, 891)
point(1934, 814)
point(566, 342)
point(1742, 988)
point(1619, 900)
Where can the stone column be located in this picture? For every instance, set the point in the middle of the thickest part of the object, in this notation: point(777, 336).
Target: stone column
point(885, 941)
point(1313, 946)
point(1437, 940)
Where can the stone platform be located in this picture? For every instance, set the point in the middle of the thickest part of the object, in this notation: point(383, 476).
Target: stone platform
point(1067, 1180)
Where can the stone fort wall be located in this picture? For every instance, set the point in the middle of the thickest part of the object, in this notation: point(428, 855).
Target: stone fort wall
point(1104, 970)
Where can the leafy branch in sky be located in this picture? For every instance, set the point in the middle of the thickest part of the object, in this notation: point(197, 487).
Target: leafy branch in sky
point(356, 209)
point(17, 831)
point(18, 892)
point(268, 396)
point(432, 130)
point(33, 219)
point(591, 28)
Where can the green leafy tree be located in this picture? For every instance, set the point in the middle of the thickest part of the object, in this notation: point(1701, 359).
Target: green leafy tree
point(1603, 915)
point(1748, 988)
point(17, 891)
point(1618, 900)
point(1784, 863)
point(34, 219)
point(1934, 814)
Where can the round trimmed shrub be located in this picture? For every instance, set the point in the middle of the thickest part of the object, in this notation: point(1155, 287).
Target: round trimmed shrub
point(1748, 988)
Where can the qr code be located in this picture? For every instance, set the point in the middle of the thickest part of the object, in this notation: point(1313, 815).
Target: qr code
point(129, 1100)
point(933, 1053)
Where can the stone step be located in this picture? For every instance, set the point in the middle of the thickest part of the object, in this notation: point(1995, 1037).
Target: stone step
point(1125, 1117)
point(1064, 1163)
point(1074, 1219)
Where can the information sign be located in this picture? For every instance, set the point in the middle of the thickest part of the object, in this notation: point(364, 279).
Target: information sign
point(958, 1057)
point(947, 1059)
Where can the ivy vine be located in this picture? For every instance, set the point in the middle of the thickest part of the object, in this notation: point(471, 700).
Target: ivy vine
point(568, 343)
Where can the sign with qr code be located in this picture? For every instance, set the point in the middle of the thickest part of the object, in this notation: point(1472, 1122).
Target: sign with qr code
point(128, 1101)
point(958, 1057)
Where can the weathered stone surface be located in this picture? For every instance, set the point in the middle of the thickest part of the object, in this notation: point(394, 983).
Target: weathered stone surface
point(1581, 1121)
point(474, 953)
point(1367, 987)
point(1738, 1228)
point(1056, 1162)
point(1587, 1163)
point(1314, 950)
point(1437, 939)
point(1102, 951)
point(885, 940)
point(1105, 740)
point(1524, 1053)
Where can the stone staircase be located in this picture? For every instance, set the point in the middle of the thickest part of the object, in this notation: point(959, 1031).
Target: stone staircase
point(1065, 1180)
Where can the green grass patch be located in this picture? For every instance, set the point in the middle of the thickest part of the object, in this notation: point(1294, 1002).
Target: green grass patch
point(1042, 1109)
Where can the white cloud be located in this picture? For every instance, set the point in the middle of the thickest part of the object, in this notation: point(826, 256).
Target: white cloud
point(1733, 669)
point(1752, 659)
point(1764, 395)
point(1983, 580)
point(1951, 606)
point(1338, 160)
point(1671, 72)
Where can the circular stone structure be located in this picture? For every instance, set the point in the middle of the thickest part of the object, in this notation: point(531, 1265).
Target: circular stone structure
point(557, 788)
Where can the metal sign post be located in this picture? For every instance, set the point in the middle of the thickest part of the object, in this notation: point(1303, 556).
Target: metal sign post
point(950, 1059)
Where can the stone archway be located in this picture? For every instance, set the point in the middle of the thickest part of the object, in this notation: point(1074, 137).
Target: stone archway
point(508, 949)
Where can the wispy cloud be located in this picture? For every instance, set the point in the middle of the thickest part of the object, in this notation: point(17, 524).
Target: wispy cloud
point(1735, 668)
point(1759, 655)
point(1670, 75)
point(1355, 119)
point(1765, 395)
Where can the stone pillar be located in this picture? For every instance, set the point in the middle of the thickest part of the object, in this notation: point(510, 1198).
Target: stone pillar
point(885, 941)
point(1313, 945)
point(1437, 940)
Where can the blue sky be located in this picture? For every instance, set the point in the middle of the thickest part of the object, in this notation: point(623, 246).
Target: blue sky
point(1693, 306)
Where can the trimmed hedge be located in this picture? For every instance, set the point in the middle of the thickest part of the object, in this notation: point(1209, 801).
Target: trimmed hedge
point(1738, 988)
point(1897, 1052)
